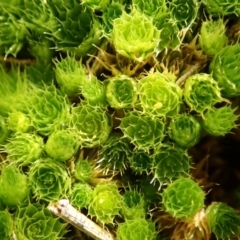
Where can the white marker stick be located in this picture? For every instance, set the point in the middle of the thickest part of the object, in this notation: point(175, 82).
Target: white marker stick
point(66, 211)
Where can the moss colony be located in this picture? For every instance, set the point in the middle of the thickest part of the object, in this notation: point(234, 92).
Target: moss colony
point(127, 109)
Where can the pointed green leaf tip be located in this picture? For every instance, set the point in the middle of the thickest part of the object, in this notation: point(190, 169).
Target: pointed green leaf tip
point(35, 222)
point(223, 220)
point(49, 180)
point(14, 186)
point(218, 122)
point(201, 92)
point(185, 130)
point(159, 95)
point(106, 202)
point(183, 198)
point(134, 35)
point(136, 229)
point(6, 225)
point(224, 68)
point(145, 132)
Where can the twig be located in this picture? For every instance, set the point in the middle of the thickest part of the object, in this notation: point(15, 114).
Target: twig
point(193, 69)
point(66, 211)
point(17, 61)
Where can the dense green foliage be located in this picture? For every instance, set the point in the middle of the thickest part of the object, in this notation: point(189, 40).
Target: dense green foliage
point(107, 103)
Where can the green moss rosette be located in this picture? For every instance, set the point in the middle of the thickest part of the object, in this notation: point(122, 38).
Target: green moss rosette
point(48, 109)
point(38, 17)
point(24, 148)
point(145, 132)
point(35, 222)
point(221, 7)
point(201, 92)
point(121, 92)
point(224, 69)
point(143, 229)
point(14, 87)
point(134, 35)
point(62, 145)
point(12, 34)
point(185, 130)
point(150, 191)
point(223, 220)
point(113, 11)
point(183, 198)
point(153, 8)
point(94, 91)
point(86, 30)
point(106, 202)
point(69, 75)
point(92, 123)
point(115, 153)
point(96, 5)
point(134, 205)
point(18, 122)
point(212, 36)
point(158, 95)
point(49, 180)
point(141, 161)
point(184, 12)
point(14, 187)
point(169, 35)
point(170, 163)
point(83, 170)
point(220, 121)
point(6, 225)
point(81, 195)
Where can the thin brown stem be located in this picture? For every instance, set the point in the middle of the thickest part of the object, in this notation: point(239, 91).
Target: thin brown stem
point(17, 61)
